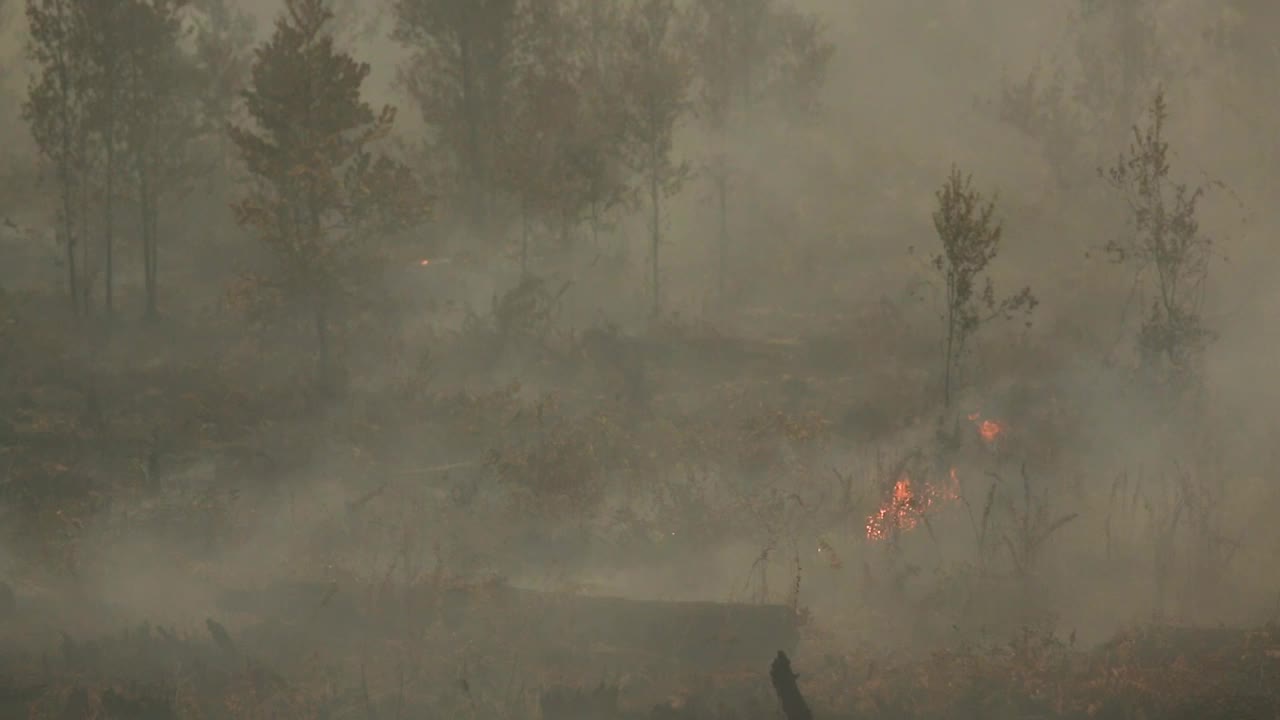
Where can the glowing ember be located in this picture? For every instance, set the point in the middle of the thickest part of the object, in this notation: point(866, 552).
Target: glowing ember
point(907, 505)
point(425, 262)
point(990, 430)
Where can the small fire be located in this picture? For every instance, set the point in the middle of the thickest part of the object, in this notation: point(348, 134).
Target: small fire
point(990, 430)
point(908, 503)
point(424, 262)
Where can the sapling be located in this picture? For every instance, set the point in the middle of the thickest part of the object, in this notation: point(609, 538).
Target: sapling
point(1165, 248)
point(970, 235)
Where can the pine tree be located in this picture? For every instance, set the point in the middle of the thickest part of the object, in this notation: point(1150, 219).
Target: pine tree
point(318, 184)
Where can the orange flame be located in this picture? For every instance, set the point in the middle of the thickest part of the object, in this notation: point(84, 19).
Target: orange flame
point(989, 430)
point(907, 505)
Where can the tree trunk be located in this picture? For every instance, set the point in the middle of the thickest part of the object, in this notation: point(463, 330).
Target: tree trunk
point(153, 288)
point(147, 205)
point(722, 190)
point(595, 227)
point(322, 339)
point(950, 360)
point(67, 142)
point(655, 197)
point(68, 236)
point(524, 237)
point(471, 117)
point(86, 276)
point(108, 211)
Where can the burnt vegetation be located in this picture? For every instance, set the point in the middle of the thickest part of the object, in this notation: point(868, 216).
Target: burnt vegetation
point(699, 359)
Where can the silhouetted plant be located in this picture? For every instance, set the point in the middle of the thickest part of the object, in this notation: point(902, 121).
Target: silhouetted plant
point(970, 235)
point(1166, 250)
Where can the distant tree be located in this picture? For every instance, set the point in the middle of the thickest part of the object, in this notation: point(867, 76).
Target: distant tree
point(57, 111)
point(564, 141)
point(460, 76)
point(1166, 246)
point(359, 21)
point(107, 36)
point(545, 98)
point(4, 16)
point(1076, 112)
point(1040, 107)
point(801, 58)
point(223, 42)
point(970, 235)
point(319, 190)
point(597, 150)
point(719, 46)
point(1121, 61)
point(160, 117)
point(656, 78)
point(1244, 37)
point(746, 52)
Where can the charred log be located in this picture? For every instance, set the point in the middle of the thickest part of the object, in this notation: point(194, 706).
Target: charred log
point(784, 684)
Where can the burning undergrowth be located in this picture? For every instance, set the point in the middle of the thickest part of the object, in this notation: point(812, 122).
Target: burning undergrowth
point(914, 495)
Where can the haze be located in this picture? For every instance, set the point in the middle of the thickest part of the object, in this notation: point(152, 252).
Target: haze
point(328, 412)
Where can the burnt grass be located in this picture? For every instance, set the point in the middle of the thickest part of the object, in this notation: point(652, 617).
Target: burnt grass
point(1153, 672)
point(127, 440)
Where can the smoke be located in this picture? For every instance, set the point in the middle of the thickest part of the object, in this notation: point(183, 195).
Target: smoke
point(831, 231)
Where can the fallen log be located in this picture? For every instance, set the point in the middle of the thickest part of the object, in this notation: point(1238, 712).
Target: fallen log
point(620, 634)
point(706, 635)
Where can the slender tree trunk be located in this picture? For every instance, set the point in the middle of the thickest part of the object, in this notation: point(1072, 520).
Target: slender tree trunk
point(470, 109)
point(108, 216)
point(722, 190)
point(655, 197)
point(524, 237)
point(86, 277)
point(68, 235)
point(153, 289)
point(949, 354)
point(65, 176)
point(314, 228)
point(595, 227)
point(322, 338)
point(147, 206)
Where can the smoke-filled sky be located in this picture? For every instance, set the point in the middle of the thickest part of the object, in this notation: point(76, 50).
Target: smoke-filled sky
point(914, 88)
